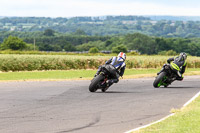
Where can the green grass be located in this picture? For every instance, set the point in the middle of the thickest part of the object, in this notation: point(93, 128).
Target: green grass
point(46, 75)
point(185, 120)
point(78, 74)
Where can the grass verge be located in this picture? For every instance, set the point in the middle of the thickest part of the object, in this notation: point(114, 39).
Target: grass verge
point(79, 74)
point(185, 120)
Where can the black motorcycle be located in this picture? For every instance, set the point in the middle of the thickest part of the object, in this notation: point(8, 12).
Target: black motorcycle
point(100, 81)
point(165, 77)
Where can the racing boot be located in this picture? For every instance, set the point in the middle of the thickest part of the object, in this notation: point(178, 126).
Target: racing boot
point(179, 77)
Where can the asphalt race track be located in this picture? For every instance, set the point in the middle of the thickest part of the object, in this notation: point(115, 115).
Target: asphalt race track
point(68, 106)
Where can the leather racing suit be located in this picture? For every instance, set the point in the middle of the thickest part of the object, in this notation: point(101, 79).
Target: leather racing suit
point(119, 65)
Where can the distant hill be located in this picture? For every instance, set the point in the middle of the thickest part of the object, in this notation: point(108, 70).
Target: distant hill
point(165, 26)
point(175, 18)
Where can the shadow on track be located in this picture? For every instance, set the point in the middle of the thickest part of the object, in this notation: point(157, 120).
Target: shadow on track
point(116, 92)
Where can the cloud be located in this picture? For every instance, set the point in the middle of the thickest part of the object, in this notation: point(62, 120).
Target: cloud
point(69, 8)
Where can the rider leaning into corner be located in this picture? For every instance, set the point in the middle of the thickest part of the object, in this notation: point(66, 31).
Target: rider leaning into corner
point(119, 64)
point(178, 65)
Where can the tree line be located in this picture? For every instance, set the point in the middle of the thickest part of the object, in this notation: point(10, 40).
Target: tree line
point(143, 44)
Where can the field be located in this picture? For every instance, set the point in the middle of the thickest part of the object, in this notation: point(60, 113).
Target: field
point(15, 62)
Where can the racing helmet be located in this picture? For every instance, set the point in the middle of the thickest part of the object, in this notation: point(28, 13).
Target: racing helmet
point(183, 55)
point(122, 55)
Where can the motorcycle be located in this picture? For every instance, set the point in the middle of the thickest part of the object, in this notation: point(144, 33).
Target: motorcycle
point(165, 77)
point(100, 81)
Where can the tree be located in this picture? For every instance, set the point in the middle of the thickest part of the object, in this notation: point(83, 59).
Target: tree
point(84, 47)
point(162, 44)
point(142, 43)
point(93, 50)
point(69, 47)
point(13, 43)
point(49, 32)
point(80, 32)
point(56, 47)
point(119, 48)
point(30, 47)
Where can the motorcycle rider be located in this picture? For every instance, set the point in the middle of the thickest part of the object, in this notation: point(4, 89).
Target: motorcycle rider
point(119, 64)
point(178, 65)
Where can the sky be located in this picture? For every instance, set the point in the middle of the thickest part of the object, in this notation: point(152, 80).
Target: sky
point(72, 8)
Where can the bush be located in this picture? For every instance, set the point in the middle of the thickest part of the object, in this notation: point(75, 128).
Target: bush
point(94, 50)
point(119, 48)
point(133, 53)
point(169, 52)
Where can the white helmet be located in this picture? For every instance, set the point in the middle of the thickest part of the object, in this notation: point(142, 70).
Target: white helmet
point(122, 55)
point(183, 55)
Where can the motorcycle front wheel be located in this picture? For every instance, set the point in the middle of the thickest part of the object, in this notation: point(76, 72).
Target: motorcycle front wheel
point(158, 81)
point(94, 84)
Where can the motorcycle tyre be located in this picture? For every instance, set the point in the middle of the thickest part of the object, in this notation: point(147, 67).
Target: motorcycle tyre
point(93, 85)
point(158, 79)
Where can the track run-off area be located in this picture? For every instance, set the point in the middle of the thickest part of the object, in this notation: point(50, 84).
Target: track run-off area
point(68, 106)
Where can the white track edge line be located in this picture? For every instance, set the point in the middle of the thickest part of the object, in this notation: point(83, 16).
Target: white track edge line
point(149, 124)
point(188, 102)
point(194, 97)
